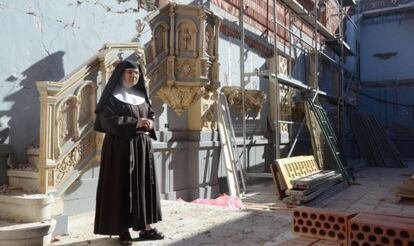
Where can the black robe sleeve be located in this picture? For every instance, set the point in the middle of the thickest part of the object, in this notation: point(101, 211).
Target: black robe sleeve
point(113, 123)
point(151, 116)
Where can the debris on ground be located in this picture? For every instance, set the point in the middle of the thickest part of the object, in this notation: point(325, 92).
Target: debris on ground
point(222, 201)
point(406, 189)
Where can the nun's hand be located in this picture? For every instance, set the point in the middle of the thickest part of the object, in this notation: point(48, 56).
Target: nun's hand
point(141, 122)
point(146, 123)
point(150, 124)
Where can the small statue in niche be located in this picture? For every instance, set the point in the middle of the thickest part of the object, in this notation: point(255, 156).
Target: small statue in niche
point(139, 27)
point(159, 41)
point(186, 40)
point(208, 45)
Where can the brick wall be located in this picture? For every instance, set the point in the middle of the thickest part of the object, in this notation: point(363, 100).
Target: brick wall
point(307, 4)
point(332, 18)
point(259, 14)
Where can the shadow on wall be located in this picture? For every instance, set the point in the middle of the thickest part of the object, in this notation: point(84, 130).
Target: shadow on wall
point(157, 107)
point(299, 66)
point(24, 115)
point(199, 2)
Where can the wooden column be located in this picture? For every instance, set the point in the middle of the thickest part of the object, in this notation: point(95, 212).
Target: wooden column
point(171, 57)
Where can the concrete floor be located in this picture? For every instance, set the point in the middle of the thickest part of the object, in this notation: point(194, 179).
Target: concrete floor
point(192, 224)
point(265, 221)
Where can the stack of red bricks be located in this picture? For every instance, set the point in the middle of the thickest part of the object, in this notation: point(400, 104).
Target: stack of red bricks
point(381, 229)
point(325, 227)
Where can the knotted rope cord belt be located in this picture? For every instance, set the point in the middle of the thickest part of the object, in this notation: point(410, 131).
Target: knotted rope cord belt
point(132, 166)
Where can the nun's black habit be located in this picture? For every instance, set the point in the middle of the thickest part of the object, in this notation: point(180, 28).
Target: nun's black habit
point(125, 147)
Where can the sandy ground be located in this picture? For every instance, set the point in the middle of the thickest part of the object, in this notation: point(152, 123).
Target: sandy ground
point(269, 222)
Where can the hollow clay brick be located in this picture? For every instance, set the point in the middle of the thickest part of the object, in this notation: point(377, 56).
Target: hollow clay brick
point(321, 223)
point(398, 218)
point(376, 229)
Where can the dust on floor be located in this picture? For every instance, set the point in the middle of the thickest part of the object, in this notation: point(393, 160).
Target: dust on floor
point(266, 219)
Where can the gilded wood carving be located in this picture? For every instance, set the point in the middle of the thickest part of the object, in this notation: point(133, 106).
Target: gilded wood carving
point(72, 159)
point(254, 99)
point(186, 37)
point(191, 63)
point(180, 97)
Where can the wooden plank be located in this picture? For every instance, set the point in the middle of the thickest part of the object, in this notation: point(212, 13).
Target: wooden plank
point(266, 206)
point(278, 180)
point(335, 149)
point(229, 126)
point(310, 181)
point(259, 175)
point(320, 191)
point(315, 135)
point(328, 193)
point(227, 149)
point(324, 192)
point(326, 182)
point(406, 189)
point(292, 201)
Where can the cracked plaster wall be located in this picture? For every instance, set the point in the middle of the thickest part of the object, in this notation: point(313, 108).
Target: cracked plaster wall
point(45, 40)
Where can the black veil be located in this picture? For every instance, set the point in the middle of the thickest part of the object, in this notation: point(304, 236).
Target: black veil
point(115, 80)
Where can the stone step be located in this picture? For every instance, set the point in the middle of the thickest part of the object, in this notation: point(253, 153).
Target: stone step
point(17, 206)
point(32, 233)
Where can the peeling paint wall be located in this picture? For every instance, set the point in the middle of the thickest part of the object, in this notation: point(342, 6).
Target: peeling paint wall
point(48, 39)
point(45, 40)
point(391, 35)
point(387, 73)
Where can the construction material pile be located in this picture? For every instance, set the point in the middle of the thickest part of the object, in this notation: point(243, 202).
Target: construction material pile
point(325, 227)
point(319, 124)
point(406, 189)
point(299, 180)
point(376, 149)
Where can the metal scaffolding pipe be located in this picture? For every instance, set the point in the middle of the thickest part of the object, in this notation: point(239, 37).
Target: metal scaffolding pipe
point(276, 68)
point(241, 22)
point(342, 61)
point(315, 40)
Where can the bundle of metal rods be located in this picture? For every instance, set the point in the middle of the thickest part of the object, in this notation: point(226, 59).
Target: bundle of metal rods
point(375, 147)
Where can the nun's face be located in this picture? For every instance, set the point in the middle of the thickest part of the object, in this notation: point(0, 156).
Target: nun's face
point(130, 77)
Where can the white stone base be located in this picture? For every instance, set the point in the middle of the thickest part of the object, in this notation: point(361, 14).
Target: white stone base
point(25, 234)
point(33, 156)
point(25, 208)
point(27, 180)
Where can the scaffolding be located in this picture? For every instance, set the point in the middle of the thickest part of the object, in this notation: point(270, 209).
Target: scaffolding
point(335, 42)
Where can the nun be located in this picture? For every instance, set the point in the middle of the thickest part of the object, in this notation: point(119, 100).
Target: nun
point(127, 194)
